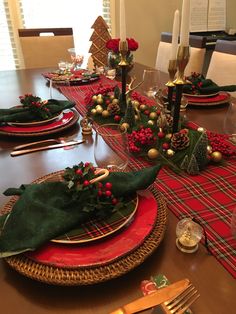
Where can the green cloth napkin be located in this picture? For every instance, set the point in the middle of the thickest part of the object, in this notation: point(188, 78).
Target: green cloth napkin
point(200, 85)
point(47, 210)
point(25, 114)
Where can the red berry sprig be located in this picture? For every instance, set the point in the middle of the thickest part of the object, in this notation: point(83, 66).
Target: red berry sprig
point(139, 138)
point(220, 143)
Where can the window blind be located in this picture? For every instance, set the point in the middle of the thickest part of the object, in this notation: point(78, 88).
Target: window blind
point(8, 53)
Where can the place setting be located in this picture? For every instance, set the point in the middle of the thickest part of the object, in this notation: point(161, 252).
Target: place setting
point(37, 117)
point(82, 246)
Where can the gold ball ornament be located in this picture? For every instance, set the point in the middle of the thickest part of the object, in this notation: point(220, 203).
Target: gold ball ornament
point(153, 115)
point(216, 156)
point(124, 126)
point(105, 113)
point(135, 103)
point(168, 136)
point(153, 153)
point(150, 122)
point(93, 111)
point(94, 97)
point(209, 149)
point(143, 107)
point(99, 100)
point(170, 152)
point(200, 129)
point(115, 101)
point(99, 109)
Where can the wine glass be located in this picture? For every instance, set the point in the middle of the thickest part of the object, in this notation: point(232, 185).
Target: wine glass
point(77, 59)
point(104, 155)
point(151, 82)
point(229, 126)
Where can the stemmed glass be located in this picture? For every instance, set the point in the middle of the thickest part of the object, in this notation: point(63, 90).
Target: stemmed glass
point(104, 155)
point(151, 82)
point(77, 59)
point(229, 126)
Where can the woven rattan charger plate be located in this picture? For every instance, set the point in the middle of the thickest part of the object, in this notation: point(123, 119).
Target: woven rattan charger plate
point(90, 275)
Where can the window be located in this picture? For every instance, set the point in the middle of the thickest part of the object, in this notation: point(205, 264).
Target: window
point(77, 14)
point(8, 57)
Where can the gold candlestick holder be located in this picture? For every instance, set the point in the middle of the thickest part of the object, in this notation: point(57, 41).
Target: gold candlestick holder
point(123, 48)
point(182, 61)
point(172, 69)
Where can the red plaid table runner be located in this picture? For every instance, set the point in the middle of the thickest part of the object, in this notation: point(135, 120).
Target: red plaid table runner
point(208, 197)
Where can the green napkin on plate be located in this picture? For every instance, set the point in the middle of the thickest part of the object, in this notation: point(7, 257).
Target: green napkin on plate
point(201, 86)
point(49, 209)
point(34, 109)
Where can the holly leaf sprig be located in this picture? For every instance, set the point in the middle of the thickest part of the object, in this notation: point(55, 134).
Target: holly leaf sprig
point(95, 197)
point(36, 105)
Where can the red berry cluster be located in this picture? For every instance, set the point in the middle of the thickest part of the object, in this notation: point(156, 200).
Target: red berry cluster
point(81, 177)
point(142, 100)
point(219, 142)
point(105, 190)
point(136, 139)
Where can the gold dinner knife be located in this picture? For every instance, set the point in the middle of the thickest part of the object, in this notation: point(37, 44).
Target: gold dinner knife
point(154, 298)
point(32, 150)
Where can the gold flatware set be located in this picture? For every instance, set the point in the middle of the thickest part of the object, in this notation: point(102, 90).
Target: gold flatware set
point(40, 145)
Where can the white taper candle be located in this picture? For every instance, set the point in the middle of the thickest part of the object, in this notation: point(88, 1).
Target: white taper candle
point(175, 36)
point(185, 23)
point(122, 21)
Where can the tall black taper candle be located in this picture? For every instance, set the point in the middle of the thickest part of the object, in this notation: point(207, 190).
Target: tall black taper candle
point(123, 64)
point(179, 91)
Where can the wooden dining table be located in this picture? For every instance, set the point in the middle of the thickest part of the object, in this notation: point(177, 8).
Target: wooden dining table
point(21, 295)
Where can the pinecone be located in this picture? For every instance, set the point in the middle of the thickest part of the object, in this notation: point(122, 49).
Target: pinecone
point(179, 141)
point(113, 108)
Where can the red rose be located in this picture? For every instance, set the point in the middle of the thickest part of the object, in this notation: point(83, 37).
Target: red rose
point(113, 44)
point(132, 44)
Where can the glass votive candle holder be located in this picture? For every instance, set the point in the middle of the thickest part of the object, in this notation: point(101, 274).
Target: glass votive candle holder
point(188, 235)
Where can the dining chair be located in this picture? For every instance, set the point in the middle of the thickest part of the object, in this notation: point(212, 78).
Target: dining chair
point(197, 53)
point(45, 47)
point(222, 67)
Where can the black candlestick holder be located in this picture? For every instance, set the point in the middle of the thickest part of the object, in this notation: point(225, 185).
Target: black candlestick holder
point(123, 65)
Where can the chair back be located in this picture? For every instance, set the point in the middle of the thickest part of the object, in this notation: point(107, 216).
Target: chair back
point(222, 67)
point(45, 47)
point(197, 53)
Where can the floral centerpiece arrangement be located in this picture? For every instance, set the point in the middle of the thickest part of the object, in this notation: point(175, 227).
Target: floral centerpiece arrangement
point(114, 56)
point(150, 134)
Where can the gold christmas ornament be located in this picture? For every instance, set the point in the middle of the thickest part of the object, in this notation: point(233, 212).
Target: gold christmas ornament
point(94, 97)
point(99, 109)
point(93, 111)
point(142, 107)
point(170, 152)
point(150, 122)
point(216, 156)
point(153, 153)
point(153, 115)
point(135, 103)
point(125, 126)
point(115, 101)
point(105, 113)
point(136, 117)
point(99, 100)
point(200, 129)
point(209, 149)
point(168, 136)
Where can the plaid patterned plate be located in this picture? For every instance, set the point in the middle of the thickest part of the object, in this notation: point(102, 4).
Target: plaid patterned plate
point(99, 228)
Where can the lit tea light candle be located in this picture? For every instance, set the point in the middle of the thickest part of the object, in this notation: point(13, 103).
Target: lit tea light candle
point(175, 36)
point(188, 235)
point(185, 22)
point(122, 21)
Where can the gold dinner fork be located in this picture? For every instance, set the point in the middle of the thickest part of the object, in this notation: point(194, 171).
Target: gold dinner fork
point(180, 303)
